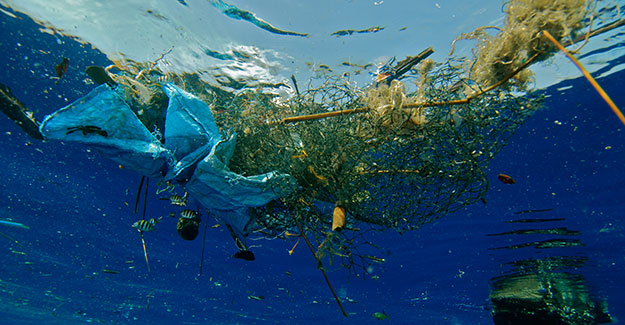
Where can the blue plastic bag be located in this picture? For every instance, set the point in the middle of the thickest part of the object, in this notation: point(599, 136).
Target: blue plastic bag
point(102, 120)
point(193, 152)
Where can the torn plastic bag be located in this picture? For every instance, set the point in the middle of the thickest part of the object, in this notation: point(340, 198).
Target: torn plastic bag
point(229, 195)
point(194, 150)
point(104, 121)
point(190, 131)
point(202, 159)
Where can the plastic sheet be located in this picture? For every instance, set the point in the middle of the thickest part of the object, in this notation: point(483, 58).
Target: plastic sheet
point(193, 150)
point(103, 121)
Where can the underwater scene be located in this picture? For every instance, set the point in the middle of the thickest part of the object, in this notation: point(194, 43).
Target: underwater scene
point(300, 162)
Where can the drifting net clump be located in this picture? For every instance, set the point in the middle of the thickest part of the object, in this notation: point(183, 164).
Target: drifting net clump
point(496, 56)
point(388, 166)
point(391, 158)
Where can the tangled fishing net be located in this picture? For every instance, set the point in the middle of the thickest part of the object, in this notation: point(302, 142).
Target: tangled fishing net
point(389, 158)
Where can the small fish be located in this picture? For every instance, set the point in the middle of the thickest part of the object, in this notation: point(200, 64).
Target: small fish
point(189, 214)
point(61, 68)
point(505, 179)
point(110, 271)
point(176, 199)
point(380, 315)
point(252, 297)
point(99, 75)
point(146, 225)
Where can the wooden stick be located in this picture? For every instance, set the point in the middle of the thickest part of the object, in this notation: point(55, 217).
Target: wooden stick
point(590, 79)
point(325, 276)
point(323, 115)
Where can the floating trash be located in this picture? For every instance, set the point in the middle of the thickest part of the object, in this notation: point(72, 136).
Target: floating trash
point(335, 156)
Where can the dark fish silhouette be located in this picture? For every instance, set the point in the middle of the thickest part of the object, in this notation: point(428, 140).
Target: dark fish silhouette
point(61, 68)
point(99, 75)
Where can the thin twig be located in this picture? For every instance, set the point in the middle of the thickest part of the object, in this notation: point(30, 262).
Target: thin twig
point(338, 301)
point(323, 115)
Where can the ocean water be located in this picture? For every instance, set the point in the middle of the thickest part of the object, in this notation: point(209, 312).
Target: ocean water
point(80, 261)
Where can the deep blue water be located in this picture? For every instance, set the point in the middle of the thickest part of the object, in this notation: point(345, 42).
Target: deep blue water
point(568, 157)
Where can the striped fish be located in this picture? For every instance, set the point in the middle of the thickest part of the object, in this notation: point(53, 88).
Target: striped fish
point(178, 200)
point(189, 214)
point(146, 225)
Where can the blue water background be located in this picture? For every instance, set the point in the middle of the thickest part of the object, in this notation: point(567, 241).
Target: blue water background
point(568, 156)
